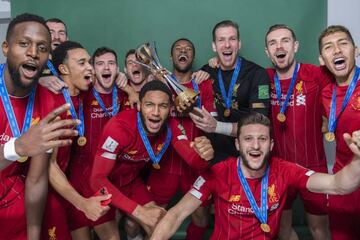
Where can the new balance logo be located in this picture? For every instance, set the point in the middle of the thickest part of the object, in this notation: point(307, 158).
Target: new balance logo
point(234, 198)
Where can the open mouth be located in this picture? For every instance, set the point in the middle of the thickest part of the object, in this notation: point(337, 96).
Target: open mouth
point(280, 55)
point(182, 58)
point(339, 63)
point(254, 154)
point(29, 69)
point(136, 73)
point(106, 76)
point(88, 79)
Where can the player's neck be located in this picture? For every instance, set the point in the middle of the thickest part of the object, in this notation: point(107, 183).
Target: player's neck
point(73, 91)
point(286, 73)
point(183, 77)
point(345, 80)
point(137, 87)
point(12, 88)
point(100, 89)
point(249, 173)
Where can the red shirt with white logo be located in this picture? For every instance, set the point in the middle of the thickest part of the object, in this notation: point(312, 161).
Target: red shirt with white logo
point(174, 164)
point(121, 155)
point(95, 119)
point(234, 217)
point(13, 176)
point(299, 139)
point(347, 122)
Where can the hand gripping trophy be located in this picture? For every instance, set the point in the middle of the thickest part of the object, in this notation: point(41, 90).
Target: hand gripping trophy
point(147, 56)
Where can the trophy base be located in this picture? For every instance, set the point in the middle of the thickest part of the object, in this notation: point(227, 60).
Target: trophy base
point(188, 95)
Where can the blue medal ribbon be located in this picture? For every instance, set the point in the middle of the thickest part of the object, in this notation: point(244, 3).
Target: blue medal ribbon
point(65, 92)
point(260, 213)
point(154, 158)
point(290, 90)
point(9, 109)
point(115, 107)
point(196, 89)
point(332, 118)
point(227, 98)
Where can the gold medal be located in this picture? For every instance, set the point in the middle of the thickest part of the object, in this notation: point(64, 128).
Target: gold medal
point(156, 166)
point(281, 117)
point(81, 141)
point(23, 159)
point(265, 227)
point(330, 136)
point(227, 113)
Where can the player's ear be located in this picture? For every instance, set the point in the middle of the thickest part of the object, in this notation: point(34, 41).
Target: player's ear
point(63, 69)
point(5, 48)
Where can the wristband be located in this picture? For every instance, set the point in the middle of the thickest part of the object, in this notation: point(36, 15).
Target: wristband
point(9, 150)
point(223, 128)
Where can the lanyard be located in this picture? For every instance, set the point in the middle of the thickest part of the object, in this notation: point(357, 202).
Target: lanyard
point(9, 109)
point(115, 107)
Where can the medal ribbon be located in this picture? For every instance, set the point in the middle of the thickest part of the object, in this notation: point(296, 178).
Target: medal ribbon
point(261, 213)
point(290, 90)
point(154, 158)
point(65, 92)
point(9, 109)
point(227, 98)
point(196, 89)
point(332, 118)
point(115, 107)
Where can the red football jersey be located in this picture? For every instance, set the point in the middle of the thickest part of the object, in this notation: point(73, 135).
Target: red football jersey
point(299, 139)
point(121, 154)
point(347, 122)
point(95, 120)
point(174, 164)
point(234, 217)
point(13, 176)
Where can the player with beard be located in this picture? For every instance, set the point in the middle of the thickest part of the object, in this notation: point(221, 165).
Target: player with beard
point(26, 132)
point(341, 107)
point(101, 102)
point(136, 73)
point(175, 171)
point(250, 191)
point(239, 86)
point(130, 140)
point(72, 65)
point(296, 123)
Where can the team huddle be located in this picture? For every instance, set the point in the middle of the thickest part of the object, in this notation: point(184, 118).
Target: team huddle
point(97, 145)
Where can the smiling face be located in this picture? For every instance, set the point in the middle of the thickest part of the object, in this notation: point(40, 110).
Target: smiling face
point(226, 45)
point(77, 69)
point(281, 48)
point(182, 56)
point(26, 53)
point(154, 109)
point(106, 70)
point(254, 145)
point(338, 53)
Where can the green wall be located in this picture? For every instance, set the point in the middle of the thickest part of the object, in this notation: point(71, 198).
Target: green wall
point(124, 24)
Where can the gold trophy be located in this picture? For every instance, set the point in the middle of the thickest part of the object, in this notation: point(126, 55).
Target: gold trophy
point(147, 56)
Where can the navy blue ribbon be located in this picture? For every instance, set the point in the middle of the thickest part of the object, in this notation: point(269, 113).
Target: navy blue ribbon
point(227, 98)
point(154, 158)
point(332, 118)
point(9, 109)
point(260, 213)
point(115, 107)
point(290, 90)
point(80, 127)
